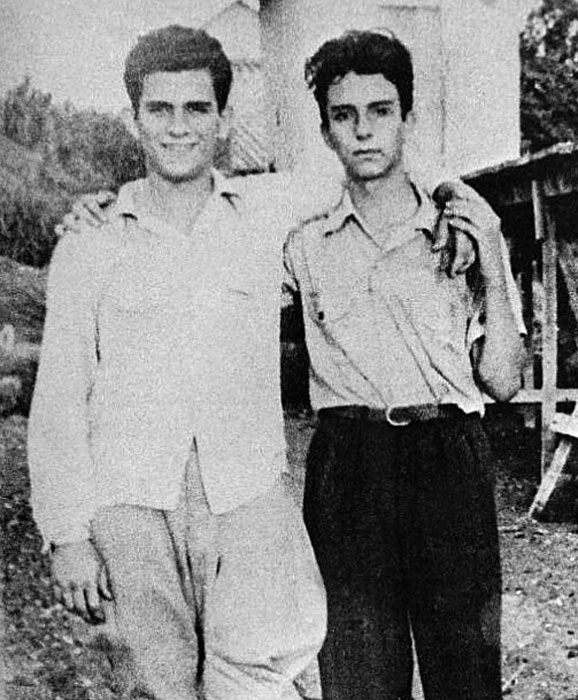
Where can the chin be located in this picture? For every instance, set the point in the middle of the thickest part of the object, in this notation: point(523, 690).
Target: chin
point(365, 176)
point(177, 177)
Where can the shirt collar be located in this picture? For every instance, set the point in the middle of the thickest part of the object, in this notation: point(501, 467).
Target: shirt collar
point(126, 203)
point(424, 219)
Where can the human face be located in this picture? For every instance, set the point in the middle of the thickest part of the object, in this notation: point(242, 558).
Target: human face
point(179, 125)
point(365, 127)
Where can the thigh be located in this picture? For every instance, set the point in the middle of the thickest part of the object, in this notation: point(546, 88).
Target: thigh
point(351, 514)
point(453, 562)
point(151, 611)
point(266, 606)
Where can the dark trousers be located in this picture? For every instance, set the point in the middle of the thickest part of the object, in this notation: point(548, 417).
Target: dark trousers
point(402, 520)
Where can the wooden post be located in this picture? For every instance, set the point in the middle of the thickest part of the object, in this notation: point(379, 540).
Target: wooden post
point(545, 231)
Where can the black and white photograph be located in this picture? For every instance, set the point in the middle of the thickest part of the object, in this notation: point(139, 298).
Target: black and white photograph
point(289, 350)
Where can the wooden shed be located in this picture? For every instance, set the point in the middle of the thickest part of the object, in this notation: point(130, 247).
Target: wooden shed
point(537, 198)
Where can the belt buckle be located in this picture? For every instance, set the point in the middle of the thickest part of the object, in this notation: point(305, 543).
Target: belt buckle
point(395, 423)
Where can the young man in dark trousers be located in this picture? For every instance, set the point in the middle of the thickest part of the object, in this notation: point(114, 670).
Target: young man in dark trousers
point(399, 495)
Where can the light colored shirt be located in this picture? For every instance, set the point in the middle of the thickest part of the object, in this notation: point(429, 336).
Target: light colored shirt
point(152, 338)
point(384, 325)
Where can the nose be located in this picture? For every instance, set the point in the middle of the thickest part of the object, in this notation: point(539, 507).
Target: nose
point(179, 125)
point(363, 127)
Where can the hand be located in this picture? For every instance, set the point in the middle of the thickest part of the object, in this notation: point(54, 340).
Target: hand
point(79, 579)
point(457, 248)
point(91, 209)
point(477, 220)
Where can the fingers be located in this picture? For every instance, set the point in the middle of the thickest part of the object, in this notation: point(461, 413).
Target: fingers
point(70, 224)
point(441, 233)
point(91, 208)
point(455, 190)
point(103, 585)
point(93, 603)
point(88, 209)
point(82, 600)
point(464, 255)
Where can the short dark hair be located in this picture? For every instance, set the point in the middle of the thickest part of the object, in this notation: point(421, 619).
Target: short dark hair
point(364, 53)
point(174, 49)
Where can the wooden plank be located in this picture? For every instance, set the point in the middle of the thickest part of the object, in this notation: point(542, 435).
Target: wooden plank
point(565, 424)
point(529, 379)
point(568, 258)
point(550, 479)
point(545, 231)
point(552, 476)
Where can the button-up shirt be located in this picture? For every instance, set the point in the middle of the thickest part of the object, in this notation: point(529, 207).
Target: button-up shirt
point(153, 338)
point(384, 325)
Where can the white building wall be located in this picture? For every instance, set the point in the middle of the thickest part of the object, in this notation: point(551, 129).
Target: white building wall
point(237, 28)
point(467, 75)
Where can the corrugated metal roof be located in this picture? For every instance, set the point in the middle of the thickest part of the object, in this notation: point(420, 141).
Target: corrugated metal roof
point(510, 182)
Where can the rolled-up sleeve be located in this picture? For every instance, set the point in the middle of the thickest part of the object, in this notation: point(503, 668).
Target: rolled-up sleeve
point(61, 469)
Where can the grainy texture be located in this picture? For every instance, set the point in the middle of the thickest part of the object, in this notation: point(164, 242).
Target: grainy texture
point(50, 655)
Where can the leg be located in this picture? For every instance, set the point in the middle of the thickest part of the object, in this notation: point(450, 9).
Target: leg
point(453, 561)
point(350, 512)
point(265, 610)
point(153, 611)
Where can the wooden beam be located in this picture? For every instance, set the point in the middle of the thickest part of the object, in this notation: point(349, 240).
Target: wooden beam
point(567, 427)
point(545, 231)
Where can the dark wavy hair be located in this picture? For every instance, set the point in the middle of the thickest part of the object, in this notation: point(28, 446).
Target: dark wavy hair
point(173, 49)
point(364, 53)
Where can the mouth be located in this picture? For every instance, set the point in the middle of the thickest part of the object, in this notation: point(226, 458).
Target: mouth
point(179, 147)
point(367, 152)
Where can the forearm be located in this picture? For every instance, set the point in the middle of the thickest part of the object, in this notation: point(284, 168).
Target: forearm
point(502, 355)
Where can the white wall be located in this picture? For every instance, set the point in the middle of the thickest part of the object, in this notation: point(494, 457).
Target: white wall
point(237, 28)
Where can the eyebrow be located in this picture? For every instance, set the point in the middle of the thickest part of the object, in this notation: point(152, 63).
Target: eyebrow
point(377, 103)
point(204, 104)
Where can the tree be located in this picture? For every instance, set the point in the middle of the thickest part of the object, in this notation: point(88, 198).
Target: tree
point(549, 82)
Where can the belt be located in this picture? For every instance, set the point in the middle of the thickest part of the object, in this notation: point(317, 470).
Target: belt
point(396, 416)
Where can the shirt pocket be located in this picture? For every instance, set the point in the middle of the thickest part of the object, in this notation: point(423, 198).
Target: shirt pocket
point(331, 304)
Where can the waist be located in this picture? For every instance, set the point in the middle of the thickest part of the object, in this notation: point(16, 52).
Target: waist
point(396, 416)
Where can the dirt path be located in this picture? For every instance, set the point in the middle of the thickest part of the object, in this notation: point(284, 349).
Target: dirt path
point(50, 655)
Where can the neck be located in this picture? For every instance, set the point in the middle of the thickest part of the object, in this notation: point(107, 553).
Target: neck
point(385, 201)
point(178, 203)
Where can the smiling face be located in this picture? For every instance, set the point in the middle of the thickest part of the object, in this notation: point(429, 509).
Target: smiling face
point(364, 126)
point(179, 125)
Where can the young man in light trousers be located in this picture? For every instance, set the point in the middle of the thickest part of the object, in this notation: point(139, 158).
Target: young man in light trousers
point(156, 442)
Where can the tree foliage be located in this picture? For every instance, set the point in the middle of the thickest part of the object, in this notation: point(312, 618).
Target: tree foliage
point(549, 87)
point(71, 150)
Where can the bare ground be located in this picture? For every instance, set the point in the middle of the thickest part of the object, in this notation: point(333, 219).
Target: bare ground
point(51, 655)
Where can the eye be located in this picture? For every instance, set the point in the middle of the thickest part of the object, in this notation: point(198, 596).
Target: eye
point(382, 111)
point(199, 108)
point(160, 108)
point(340, 115)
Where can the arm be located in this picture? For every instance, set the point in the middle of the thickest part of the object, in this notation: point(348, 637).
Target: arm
point(499, 355)
point(61, 471)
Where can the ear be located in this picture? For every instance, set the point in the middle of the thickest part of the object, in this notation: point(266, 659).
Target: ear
point(326, 134)
point(130, 121)
point(409, 124)
point(226, 119)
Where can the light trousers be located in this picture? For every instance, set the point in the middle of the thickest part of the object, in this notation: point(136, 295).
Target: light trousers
point(214, 607)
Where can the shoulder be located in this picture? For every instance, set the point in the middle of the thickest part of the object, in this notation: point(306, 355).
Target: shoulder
point(309, 232)
point(80, 259)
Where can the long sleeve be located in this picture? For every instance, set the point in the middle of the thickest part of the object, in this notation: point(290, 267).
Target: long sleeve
point(61, 470)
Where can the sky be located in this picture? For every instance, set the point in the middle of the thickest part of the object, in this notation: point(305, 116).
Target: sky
point(75, 49)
